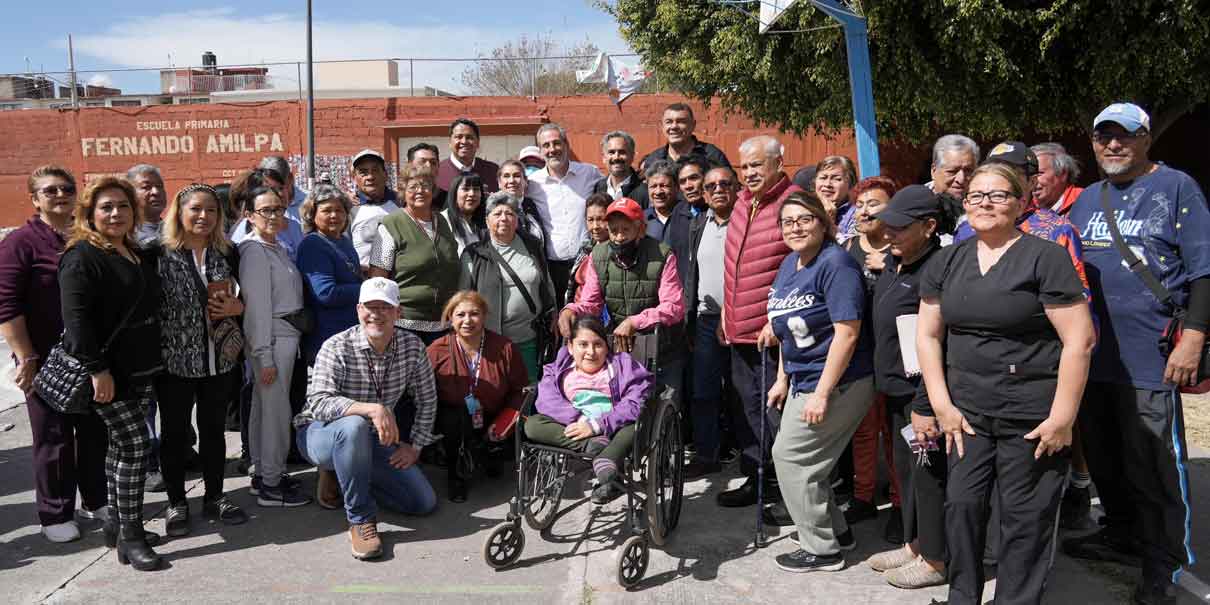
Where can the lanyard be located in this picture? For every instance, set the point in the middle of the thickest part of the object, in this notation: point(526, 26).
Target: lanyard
point(379, 383)
point(473, 367)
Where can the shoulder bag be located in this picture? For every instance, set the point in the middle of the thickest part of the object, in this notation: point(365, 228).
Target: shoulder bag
point(541, 321)
point(1172, 331)
point(63, 383)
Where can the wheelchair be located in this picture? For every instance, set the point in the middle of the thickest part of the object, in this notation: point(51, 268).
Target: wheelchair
point(651, 477)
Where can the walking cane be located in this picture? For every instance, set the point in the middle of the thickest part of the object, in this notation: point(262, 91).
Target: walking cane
point(759, 541)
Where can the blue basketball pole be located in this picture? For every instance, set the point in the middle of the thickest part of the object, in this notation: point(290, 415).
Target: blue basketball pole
point(861, 85)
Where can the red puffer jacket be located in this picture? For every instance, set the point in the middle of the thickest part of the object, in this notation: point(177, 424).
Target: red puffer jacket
point(753, 253)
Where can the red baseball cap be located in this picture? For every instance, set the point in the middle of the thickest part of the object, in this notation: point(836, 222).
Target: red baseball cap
point(626, 207)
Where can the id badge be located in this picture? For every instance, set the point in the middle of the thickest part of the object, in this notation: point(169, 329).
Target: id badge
point(472, 404)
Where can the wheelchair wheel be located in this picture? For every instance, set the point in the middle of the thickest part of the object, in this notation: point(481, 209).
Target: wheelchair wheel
point(632, 561)
point(542, 478)
point(665, 481)
point(504, 545)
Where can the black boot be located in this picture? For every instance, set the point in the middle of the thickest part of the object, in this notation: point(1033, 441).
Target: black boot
point(133, 549)
point(110, 528)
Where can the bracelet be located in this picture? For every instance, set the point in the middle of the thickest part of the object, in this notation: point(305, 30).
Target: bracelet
point(29, 359)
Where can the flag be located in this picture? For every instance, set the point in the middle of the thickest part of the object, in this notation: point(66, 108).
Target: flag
point(621, 79)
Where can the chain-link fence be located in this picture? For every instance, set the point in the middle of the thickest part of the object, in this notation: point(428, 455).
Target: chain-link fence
point(360, 78)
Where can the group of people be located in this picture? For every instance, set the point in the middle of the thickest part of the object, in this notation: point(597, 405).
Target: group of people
point(993, 331)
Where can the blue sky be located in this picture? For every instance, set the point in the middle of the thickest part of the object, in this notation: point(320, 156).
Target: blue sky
point(139, 33)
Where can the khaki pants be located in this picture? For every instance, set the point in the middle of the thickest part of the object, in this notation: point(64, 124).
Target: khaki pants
point(804, 455)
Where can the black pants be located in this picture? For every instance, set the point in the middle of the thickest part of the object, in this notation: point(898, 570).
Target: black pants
point(560, 273)
point(921, 485)
point(177, 396)
point(1029, 491)
point(1134, 441)
point(68, 452)
point(745, 372)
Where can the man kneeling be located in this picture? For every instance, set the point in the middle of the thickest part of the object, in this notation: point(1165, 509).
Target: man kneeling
point(588, 400)
point(349, 422)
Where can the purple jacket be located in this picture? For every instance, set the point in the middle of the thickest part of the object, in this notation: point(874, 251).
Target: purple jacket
point(630, 386)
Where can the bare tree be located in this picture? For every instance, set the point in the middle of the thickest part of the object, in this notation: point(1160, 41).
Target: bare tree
point(526, 68)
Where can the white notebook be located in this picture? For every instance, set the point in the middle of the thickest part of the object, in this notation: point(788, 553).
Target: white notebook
point(906, 326)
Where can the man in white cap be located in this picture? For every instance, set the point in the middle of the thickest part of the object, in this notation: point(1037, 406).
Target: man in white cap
point(349, 429)
point(1146, 233)
point(374, 201)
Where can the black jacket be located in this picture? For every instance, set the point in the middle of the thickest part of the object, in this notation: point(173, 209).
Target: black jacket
point(97, 288)
point(676, 235)
point(635, 189)
point(706, 150)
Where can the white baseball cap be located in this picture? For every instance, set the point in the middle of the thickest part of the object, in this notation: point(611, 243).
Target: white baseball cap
point(379, 288)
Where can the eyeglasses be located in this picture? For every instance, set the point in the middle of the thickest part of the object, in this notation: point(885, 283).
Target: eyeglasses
point(418, 187)
point(271, 212)
point(724, 185)
point(53, 190)
point(1105, 138)
point(998, 197)
point(803, 222)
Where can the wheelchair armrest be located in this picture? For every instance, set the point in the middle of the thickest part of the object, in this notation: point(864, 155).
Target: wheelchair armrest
point(529, 404)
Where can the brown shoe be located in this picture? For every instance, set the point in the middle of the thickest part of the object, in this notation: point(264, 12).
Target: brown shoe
point(327, 490)
point(365, 541)
point(917, 575)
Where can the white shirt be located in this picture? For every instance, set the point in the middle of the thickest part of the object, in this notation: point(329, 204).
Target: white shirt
point(616, 192)
point(364, 227)
point(459, 165)
point(561, 206)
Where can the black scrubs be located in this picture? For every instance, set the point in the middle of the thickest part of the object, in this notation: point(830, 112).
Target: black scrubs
point(922, 481)
point(1002, 359)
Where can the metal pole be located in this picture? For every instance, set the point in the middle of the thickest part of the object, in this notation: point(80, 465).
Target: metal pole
point(412, 77)
point(310, 106)
point(298, 68)
point(860, 84)
point(71, 61)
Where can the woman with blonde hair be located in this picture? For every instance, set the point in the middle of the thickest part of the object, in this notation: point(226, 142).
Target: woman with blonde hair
point(480, 376)
point(110, 293)
point(200, 342)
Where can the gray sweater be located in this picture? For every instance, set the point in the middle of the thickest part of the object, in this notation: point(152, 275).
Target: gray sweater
point(272, 288)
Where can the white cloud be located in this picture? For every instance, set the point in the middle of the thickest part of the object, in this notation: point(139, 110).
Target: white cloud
point(239, 40)
point(101, 80)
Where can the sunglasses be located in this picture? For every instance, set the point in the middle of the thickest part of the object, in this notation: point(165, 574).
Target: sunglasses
point(53, 190)
point(718, 185)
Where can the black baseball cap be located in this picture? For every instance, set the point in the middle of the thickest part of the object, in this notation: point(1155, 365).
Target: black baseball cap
point(909, 205)
point(1015, 154)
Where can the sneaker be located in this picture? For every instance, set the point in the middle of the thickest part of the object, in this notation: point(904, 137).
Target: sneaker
point(101, 514)
point(846, 540)
point(1075, 509)
point(801, 561)
point(155, 482)
point(59, 533)
point(327, 490)
point(1104, 545)
point(777, 515)
point(364, 541)
point(286, 481)
point(605, 493)
point(915, 575)
point(893, 532)
point(744, 495)
point(890, 559)
point(859, 510)
point(698, 469)
point(223, 509)
point(281, 496)
point(176, 519)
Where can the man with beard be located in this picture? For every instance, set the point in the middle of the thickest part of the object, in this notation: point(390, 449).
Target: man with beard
point(349, 425)
point(464, 146)
point(559, 190)
point(617, 150)
point(1146, 233)
point(634, 278)
point(152, 199)
point(678, 124)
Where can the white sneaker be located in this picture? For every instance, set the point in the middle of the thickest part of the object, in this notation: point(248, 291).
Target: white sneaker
point(62, 532)
point(101, 514)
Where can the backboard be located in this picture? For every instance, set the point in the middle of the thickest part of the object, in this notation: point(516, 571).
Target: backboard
point(770, 10)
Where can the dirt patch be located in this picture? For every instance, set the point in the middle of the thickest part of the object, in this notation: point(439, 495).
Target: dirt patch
point(1197, 420)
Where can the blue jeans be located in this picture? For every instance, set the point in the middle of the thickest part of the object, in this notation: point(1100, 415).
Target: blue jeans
point(350, 446)
point(711, 367)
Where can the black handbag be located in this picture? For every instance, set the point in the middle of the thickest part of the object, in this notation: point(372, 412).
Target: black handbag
point(63, 383)
point(1172, 331)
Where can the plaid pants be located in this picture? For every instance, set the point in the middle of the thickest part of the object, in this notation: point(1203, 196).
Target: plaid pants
point(129, 447)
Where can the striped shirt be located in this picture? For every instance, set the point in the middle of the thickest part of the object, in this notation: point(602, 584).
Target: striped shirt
point(348, 370)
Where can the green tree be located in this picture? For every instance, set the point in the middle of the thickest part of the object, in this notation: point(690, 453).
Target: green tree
point(984, 67)
point(532, 66)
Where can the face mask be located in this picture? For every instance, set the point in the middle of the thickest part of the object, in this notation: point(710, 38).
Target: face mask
point(625, 252)
point(530, 170)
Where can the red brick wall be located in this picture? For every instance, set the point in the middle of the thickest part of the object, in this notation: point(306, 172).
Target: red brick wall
point(84, 140)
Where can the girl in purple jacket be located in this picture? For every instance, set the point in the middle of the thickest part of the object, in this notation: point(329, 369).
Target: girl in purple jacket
point(588, 400)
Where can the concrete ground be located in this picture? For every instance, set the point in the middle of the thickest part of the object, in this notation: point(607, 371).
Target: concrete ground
point(302, 555)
